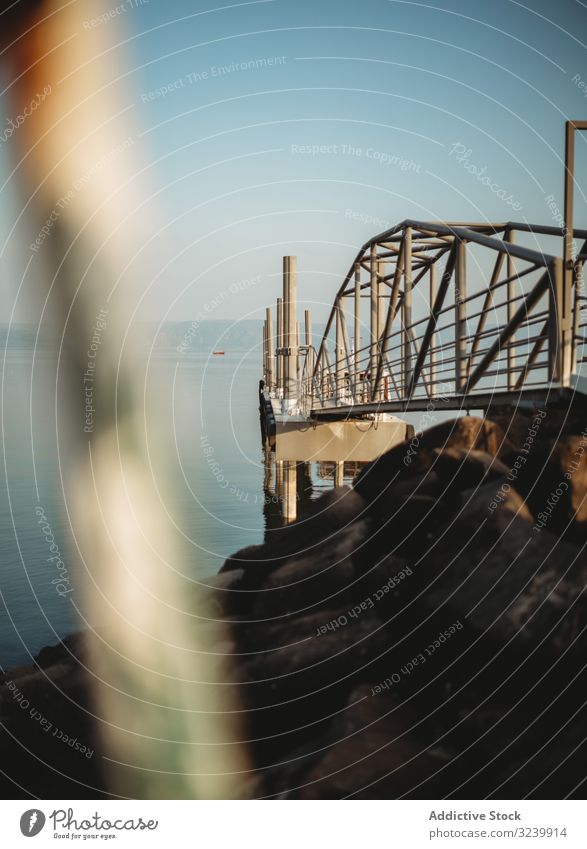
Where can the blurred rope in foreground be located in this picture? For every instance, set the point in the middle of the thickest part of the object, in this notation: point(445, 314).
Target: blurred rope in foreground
point(165, 720)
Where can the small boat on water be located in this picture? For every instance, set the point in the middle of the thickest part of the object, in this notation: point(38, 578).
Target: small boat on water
point(218, 353)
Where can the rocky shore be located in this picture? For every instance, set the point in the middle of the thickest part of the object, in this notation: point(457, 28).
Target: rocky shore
point(419, 635)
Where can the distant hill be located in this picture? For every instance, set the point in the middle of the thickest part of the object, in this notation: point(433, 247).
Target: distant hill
point(196, 336)
point(179, 336)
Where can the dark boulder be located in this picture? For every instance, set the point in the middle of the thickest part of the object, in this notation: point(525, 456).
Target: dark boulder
point(316, 578)
point(374, 755)
point(48, 736)
point(553, 482)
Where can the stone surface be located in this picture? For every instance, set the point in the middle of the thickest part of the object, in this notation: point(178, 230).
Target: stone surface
point(422, 635)
point(554, 485)
point(418, 455)
point(48, 739)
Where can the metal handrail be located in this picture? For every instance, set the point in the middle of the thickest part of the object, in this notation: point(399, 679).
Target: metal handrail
point(411, 351)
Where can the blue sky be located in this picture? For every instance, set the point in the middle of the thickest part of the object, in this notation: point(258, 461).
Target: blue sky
point(303, 153)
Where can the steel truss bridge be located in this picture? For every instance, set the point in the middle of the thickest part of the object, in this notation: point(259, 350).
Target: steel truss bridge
point(463, 315)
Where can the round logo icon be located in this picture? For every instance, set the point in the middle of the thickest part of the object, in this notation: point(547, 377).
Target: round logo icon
point(32, 822)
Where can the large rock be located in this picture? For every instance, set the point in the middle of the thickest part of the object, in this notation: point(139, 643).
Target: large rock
point(48, 739)
point(220, 595)
point(553, 480)
point(319, 526)
point(422, 635)
point(302, 676)
point(322, 577)
point(317, 651)
point(464, 468)
point(417, 456)
point(507, 578)
point(373, 756)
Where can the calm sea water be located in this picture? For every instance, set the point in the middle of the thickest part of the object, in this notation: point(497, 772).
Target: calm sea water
point(208, 407)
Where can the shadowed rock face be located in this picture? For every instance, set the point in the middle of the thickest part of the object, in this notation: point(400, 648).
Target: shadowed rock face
point(418, 456)
point(48, 746)
point(418, 645)
point(554, 483)
point(420, 636)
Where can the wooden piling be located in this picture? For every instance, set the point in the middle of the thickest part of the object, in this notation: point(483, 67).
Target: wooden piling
point(289, 315)
point(280, 347)
point(270, 348)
